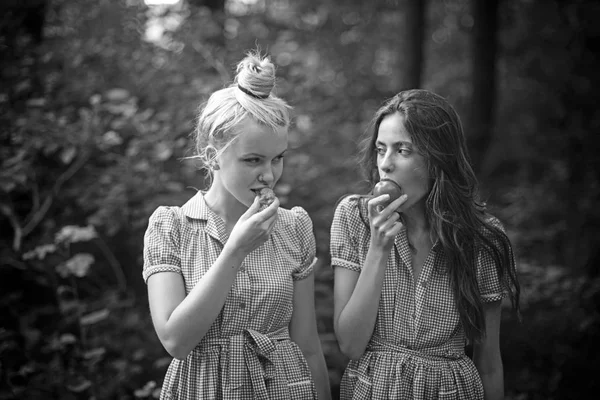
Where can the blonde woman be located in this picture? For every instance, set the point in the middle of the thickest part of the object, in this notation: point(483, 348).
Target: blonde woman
point(230, 274)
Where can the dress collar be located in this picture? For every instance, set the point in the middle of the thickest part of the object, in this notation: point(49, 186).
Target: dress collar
point(196, 208)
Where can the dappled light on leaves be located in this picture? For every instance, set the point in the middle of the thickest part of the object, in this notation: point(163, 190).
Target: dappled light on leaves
point(78, 266)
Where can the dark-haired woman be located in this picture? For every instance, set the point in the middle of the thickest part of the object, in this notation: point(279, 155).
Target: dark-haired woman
point(417, 278)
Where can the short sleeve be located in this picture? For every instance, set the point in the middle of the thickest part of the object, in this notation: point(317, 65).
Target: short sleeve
point(161, 243)
point(304, 230)
point(343, 238)
point(491, 287)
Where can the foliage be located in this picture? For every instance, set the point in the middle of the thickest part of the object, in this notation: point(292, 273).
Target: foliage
point(97, 117)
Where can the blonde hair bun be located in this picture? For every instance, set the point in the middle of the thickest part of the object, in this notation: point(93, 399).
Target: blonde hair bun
point(256, 75)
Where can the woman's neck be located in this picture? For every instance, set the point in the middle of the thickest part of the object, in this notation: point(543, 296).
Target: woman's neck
point(418, 230)
point(222, 203)
point(415, 221)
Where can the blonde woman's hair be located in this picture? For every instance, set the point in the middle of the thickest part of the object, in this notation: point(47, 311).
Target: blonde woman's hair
point(249, 96)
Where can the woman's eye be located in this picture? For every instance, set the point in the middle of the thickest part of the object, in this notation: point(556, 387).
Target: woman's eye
point(403, 150)
point(254, 160)
point(380, 150)
point(278, 159)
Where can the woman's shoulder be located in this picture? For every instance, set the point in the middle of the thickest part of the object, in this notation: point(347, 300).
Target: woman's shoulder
point(492, 225)
point(165, 214)
point(351, 205)
point(293, 216)
point(494, 231)
point(494, 221)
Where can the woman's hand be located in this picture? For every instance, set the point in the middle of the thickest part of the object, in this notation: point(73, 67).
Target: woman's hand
point(253, 228)
point(384, 221)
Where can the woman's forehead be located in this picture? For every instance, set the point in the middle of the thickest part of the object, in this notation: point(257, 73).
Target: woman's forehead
point(261, 139)
point(392, 130)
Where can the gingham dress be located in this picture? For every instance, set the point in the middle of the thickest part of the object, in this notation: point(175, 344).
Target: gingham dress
point(417, 347)
point(247, 352)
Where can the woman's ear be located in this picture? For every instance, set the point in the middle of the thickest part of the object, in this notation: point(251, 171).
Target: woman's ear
point(211, 155)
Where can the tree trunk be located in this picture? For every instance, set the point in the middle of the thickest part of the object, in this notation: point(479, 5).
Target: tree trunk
point(217, 8)
point(214, 5)
point(412, 54)
point(582, 122)
point(481, 120)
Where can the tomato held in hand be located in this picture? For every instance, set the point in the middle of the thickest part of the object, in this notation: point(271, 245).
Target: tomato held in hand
point(387, 186)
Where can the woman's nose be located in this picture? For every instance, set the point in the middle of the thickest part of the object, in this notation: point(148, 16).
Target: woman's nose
point(267, 175)
point(386, 162)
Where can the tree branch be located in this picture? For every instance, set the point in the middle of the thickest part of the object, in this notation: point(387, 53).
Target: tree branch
point(114, 263)
point(14, 222)
point(41, 212)
point(217, 65)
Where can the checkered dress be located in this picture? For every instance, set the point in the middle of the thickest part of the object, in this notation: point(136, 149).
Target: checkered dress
point(247, 352)
point(417, 347)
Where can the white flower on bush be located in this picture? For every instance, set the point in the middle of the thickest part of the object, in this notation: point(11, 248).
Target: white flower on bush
point(78, 265)
point(72, 234)
point(40, 252)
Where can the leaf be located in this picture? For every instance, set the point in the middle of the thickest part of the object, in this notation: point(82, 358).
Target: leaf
point(67, 338)
point(94, 353)
point(127, 109)
point(174, 186)
point(163, 151)
point(78, 265)
point(146, 391)
point(283, 189)
point(73, 234)
point(111, 138)
point(94, 317)
point(79, 385)
point(40, 252)
point(39, 102)
point(142, 166)
point(116, 95)
point(68, 154)
point(95, 99)
point(139, 354)
point(162, 362)
point(304, 123)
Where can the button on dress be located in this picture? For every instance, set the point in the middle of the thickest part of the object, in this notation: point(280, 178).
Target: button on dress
point(417, 347)
point(247, 352)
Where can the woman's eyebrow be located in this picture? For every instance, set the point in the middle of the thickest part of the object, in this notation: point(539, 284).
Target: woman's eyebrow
point(395, 144)
point(262, 155)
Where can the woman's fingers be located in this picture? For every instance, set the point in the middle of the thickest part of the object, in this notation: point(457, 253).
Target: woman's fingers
point(389, 221)
point(270, 212)
point(376, 204)
point(253, 209)
point(394, 230)
point(394, 205)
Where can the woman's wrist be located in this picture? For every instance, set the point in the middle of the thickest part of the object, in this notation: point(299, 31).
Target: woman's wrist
point(232, 255)
point(380, 248)
point(378, 254)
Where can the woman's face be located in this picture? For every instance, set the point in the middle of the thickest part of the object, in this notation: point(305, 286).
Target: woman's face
point(399, 160)
point(253, 161)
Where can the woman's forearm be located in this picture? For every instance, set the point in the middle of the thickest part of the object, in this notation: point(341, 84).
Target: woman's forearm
point(320, 375)
point(193, 317)
point(357, 320)
point(493, 385)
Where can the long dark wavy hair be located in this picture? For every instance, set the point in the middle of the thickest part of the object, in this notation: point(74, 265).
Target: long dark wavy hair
point(456, 216)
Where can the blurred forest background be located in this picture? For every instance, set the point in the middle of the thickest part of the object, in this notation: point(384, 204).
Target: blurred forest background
point(97, 101)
